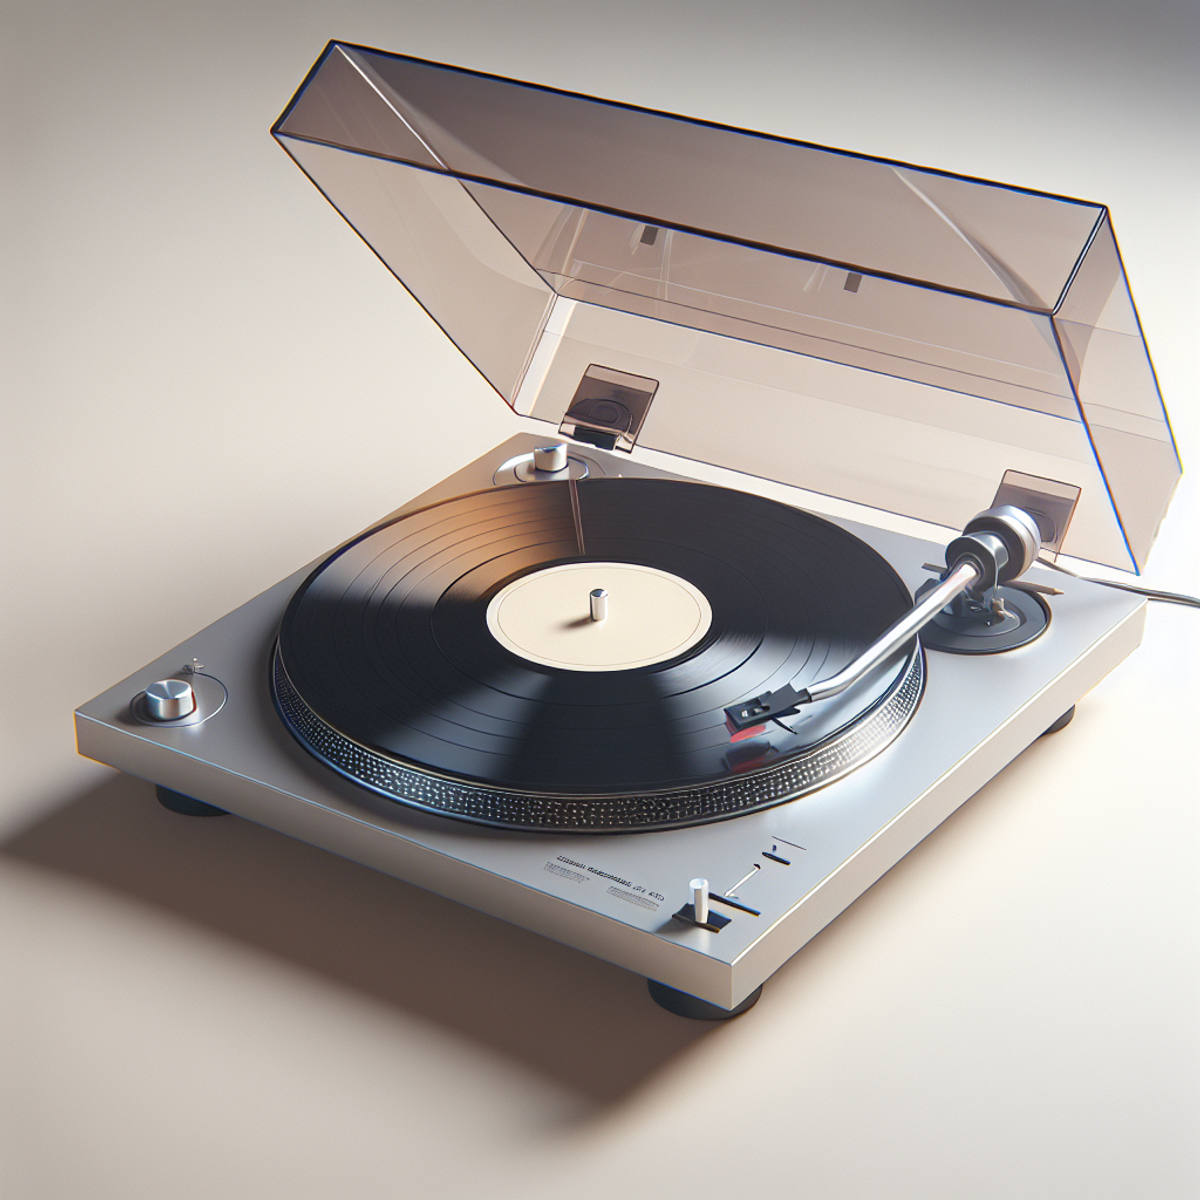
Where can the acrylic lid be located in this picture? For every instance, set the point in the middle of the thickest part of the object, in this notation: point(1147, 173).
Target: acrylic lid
point(887, 334)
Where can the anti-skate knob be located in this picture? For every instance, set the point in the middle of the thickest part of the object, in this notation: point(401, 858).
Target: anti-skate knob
point(169, 699)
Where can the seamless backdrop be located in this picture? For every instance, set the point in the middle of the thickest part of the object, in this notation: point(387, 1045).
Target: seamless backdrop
point(207, 382)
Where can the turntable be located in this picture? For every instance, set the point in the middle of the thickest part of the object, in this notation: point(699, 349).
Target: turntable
point(759, 590)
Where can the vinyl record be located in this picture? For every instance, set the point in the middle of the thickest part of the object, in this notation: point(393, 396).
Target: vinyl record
point(448, 659)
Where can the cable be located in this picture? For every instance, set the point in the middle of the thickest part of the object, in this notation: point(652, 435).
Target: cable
point(1149, 593)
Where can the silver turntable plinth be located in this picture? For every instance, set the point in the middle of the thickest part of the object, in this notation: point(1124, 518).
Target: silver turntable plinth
point(790, 869)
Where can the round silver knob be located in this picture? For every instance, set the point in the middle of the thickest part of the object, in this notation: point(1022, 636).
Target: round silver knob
point(169, 699)
point(700, 900)
point(598, 604)
point(551, 458)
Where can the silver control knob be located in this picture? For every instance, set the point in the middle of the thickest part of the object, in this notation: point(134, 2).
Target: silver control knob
point(169, 699)
point(700, 900)
point(551, 458)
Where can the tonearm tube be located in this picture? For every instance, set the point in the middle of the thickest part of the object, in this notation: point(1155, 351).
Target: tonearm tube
point(996, 547)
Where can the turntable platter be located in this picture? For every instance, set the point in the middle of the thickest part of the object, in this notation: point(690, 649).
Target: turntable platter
point(448, 659)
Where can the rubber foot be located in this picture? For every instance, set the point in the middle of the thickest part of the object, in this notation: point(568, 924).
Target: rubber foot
point(682, 1004)
point(1061, 723)
point(177, 802)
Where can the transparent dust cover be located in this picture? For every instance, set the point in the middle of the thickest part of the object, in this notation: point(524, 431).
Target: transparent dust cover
point(887, 334)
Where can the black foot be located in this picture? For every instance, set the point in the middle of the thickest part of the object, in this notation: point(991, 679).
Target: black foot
point(684, 1005)
point(1061, 723)
point(177, 802)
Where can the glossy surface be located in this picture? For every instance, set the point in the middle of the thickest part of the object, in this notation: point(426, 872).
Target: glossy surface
point(909, 336)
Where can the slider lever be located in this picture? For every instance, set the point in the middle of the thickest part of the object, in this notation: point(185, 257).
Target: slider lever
point(698, 912)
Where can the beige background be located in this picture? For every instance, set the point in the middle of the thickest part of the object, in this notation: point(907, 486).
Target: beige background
point(207, 382)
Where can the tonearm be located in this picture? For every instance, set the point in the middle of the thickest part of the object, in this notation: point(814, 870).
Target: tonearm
point(996, 547)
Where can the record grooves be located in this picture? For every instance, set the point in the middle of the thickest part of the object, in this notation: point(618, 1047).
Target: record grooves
point(386, 668)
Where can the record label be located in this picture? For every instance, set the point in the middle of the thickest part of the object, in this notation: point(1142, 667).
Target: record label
point(651, 616)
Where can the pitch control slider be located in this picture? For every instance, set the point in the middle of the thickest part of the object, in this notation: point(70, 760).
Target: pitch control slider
point(995, 547)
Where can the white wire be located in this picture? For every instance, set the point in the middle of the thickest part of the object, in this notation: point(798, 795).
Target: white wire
point(1149, 593)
